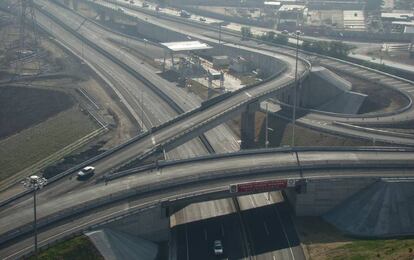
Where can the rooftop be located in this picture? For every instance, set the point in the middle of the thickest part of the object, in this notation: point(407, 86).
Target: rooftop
point(186, 46)
point(292, 8)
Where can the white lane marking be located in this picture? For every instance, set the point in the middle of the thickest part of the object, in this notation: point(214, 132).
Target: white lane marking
point(274, 257)
point(265, 227)
point(252, 201)
point(284, 233)
point(153, 140)
point(248, 94)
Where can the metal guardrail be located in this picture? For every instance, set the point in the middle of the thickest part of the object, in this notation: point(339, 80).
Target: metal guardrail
point(250, 152)
point(375, 131)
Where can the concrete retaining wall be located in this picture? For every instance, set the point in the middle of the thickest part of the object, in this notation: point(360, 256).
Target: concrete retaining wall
point(323, 195)
point(152, 225)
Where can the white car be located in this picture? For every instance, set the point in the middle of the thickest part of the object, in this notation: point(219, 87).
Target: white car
point(86, 172)
point(218, 247)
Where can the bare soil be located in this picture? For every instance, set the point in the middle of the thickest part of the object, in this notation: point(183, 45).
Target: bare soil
point(380, 98)
point(37, 142)
point(22, 107)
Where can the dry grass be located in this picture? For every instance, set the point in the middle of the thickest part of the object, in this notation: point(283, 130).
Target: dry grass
point(31, 145)
point(78, 248)
point(324, 242)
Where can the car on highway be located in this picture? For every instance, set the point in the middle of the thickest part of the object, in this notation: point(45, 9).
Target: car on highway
point(145, 4)
point(218, 247)
point(121, 10)
point(202, 19)
point(86, 172)
point(285, 32)
point(185, 14)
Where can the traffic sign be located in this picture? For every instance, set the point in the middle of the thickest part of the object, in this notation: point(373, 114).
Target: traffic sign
point(259, 186)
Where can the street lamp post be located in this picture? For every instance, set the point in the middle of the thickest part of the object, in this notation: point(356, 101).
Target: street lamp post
point(267, 126)
point(34, 183)
point(295, 89)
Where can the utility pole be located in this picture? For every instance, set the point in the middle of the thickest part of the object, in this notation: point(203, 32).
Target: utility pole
point(220, 33)
point(295, 89)
point(27, 22)
point(267, 126)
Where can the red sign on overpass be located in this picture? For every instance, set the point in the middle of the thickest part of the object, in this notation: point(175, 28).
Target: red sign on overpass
point(259, 186)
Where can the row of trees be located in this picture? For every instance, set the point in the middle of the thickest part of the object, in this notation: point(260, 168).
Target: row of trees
point(272, 37)
point(336, 49)
point(375, 5)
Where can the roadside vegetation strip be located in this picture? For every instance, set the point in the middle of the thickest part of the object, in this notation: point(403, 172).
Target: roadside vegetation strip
point(77, 248)
point(31, 145)
point(40, 165)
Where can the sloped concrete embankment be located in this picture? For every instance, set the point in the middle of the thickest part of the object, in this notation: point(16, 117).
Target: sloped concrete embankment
point(383, 209)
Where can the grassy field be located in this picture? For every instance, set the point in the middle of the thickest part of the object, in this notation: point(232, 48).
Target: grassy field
point(31, 145)
point(78, 248)
point(324, 242)
point(374, 249)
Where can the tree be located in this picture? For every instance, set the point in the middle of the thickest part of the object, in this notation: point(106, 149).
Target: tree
point(404, 4)
point(281, 39)
point(270, 36)
point(338, 49)
point(246, 32)
point(374, 5)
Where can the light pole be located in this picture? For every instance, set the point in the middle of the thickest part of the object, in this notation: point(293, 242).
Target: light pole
point(34, 183)
point(220, 33)
point(267, 126)
point(295, 89)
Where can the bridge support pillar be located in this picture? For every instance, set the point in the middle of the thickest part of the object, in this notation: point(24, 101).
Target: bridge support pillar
point(247, 126)
point(102, 15)
point(75, 5)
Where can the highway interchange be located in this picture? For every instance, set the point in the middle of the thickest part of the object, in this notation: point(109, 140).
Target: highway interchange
point(130, 90)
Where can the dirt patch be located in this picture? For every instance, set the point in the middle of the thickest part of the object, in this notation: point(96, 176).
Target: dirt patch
point(22, 107)
point(73, 160)
point(380, 98)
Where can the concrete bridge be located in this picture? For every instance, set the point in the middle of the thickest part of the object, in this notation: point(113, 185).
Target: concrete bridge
point(315, 181)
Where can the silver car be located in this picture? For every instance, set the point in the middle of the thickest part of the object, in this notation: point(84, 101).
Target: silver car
point(218, 247)
point(86, 172)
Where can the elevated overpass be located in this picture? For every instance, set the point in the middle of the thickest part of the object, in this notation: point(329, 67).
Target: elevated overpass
point(151, 147)
point(199, 179)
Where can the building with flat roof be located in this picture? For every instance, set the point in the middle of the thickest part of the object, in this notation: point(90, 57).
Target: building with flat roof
point(290, 17)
